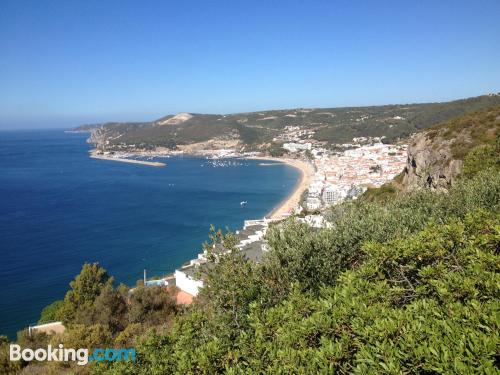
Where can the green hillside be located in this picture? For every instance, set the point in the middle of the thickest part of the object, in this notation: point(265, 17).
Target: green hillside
point(331, 125)
point(467, 132)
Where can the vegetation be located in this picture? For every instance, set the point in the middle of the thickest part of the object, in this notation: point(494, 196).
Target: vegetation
point(6, 366)
point(385, 192)
point(51, 312)
point(275, 150)
point(468, 132)
point(150, 306)
point(85, 289)
point(96, 315)
point(482, 157)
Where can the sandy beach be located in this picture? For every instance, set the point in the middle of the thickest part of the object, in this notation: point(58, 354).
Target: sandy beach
point(306, 174)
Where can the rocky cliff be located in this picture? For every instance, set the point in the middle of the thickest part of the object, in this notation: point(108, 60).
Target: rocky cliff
point(428, 166)
point(435, 156)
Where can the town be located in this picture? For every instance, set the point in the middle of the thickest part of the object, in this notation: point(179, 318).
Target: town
point(347, 174)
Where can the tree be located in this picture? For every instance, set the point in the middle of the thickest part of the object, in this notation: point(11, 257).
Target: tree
point(129, 335)
point(83, 336)
point(276, 150)
point(424, 303)
point(86, 287)
point(109, 309)
point(51, 312)
point(151, 305)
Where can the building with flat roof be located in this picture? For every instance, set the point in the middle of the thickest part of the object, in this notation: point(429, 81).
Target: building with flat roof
point(330, 195)
point(251, 245)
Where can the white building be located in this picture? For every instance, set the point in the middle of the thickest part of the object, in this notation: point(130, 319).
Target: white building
point(250, 243)
point(315, 221)
point(331, 195)
point(295, 147)
point(184, 280)
point(313, 203)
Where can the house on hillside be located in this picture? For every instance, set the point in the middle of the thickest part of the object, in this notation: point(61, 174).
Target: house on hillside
point(251, 244)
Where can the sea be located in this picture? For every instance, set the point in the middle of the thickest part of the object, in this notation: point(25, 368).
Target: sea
point(59, 209)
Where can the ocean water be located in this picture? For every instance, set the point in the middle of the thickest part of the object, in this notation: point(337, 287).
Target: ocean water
point(59, 208)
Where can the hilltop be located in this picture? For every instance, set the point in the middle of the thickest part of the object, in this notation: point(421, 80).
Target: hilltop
point(263, 130)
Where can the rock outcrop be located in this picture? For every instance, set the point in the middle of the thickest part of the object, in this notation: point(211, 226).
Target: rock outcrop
point(435, 155)
point(97, 137)
point(430, 165)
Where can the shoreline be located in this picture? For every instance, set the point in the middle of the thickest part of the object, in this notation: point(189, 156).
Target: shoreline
point(286, 207)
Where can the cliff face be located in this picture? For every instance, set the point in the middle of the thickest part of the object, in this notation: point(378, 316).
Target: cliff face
point(97, 138)
point(430, 165)
point(435, 156)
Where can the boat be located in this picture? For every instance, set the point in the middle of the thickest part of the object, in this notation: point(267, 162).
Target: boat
point(243, 203)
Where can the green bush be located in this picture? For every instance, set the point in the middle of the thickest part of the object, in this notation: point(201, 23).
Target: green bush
point(481, 158)
point(384, 193)
point(51, 312)
point(7, 367)
point(408, 286)
point(151, 305)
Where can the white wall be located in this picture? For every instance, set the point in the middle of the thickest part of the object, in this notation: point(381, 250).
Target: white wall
point(186, 283)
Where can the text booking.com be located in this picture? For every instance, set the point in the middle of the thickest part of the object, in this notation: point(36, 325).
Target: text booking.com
point(62, 354)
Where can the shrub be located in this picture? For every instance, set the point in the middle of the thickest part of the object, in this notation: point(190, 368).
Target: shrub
point(51, 312)
point(151, 305)
point(481, 158)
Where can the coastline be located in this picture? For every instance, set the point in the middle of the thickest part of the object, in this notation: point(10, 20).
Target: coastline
point(286, 207)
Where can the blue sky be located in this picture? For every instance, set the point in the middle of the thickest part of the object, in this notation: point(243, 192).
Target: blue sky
point(63, 63)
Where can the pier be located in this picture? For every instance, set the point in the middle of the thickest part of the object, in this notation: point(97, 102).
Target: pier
point(131, 161)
